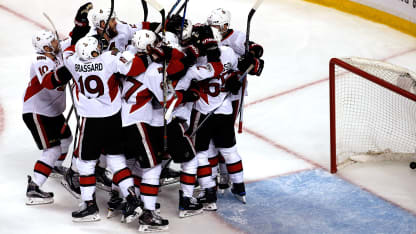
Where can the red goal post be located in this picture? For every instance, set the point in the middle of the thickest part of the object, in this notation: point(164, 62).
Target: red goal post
point(372, 111)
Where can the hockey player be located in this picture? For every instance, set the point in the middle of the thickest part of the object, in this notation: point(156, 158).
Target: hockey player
point(98, 102)
point(43, 105)
point(117, 37)
point(137, 114)
point(220, 18)
point(179, 146)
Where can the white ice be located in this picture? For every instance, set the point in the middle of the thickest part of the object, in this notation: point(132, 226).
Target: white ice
point(285, 134)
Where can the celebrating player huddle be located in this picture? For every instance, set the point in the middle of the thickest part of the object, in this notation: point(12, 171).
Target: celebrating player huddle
point(142, 99)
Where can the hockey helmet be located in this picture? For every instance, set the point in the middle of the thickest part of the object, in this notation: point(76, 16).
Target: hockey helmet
point(86, 48)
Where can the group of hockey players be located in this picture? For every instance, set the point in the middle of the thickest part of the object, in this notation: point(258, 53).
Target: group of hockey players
point(144, 98)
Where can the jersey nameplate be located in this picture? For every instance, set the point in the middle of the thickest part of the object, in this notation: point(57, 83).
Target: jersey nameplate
point(88, 67)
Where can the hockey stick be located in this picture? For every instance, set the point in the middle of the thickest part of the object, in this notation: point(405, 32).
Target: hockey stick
point(108, 20)
point(243, 76)
point(161, 10)
point(145, 10)
point(173, 8)
point(183, 19)
point(241, 108)
point(68, 116)
point(181, 8)
point(53, 25)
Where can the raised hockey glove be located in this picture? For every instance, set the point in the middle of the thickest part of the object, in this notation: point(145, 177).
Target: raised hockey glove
point(190, 95)
point(246, 60)
point(174, 24)
point(81, 27)
point(232, 83)
point(203, 38)
point(81, 19)
point(255, 49)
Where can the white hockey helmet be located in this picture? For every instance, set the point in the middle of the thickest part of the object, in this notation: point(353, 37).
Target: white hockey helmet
point(86, 47)
point(219, 17)
point(170, 39)
point(187, 29)
point(41, 39)
point(142, 38)
point(101, 15)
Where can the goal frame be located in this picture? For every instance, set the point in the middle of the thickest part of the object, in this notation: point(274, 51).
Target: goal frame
point(332, 101)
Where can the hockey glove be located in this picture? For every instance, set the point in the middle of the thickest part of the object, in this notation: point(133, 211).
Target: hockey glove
point(255, 49)
point(81, 19)
point(246, 60)
point(190, 95)
point(81, 27)
point(174, 24)
point(232, 83)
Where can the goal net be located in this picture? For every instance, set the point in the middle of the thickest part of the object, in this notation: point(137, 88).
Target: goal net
point(372, 112)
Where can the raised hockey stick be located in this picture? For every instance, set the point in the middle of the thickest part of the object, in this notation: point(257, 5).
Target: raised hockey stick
point(108, 20)
point(52, 24)
point(241, 108)
point(161, 10)
point(145, 10)
point(183, 19)
point(243, 76)
point(172, 9)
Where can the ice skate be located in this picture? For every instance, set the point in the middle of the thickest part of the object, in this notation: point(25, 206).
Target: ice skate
point(223, 183)
point(35, 196)
point(188, 206)
point(114, 204)
point(71, 183)
point(103, 178)
point(239, 192)
point(169, 176)
point(58, 172)
point(150, 221)
point(88, 212)
point(132, 210)
point(208, 198)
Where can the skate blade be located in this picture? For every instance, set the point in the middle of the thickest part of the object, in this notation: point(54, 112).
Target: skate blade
point(103, 187)
point(55, 175)
point(221, 191)
point(210, 206)
point(168, 181)
point(241, 198)
point(30, 201)
point(149, 228)
point(188, 213)
point(67, 187)
point(90, 218)
point(137, 212)
point(111, 213)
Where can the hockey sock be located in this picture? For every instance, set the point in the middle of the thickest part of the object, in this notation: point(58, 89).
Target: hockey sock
point(204, 171)
point(234, 164)
point(188, 176)
point(149, 186)
point(64, 150)
point(213, 162)
point(43, 167)
point(122, 176)
point(137, 174)
point(102, 161)
point(87, 179)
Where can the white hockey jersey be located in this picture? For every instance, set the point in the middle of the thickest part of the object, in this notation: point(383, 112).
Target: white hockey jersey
point(39, 96)
point(97, 92)
point(236, 40)
point(136, 101)
point(213, 95)
point(124, 36)
point(153, 79)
